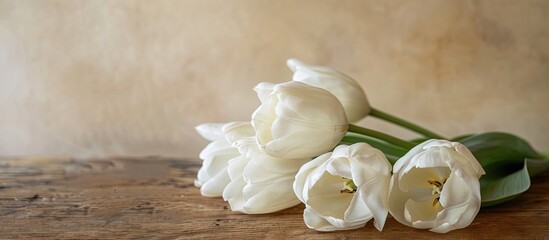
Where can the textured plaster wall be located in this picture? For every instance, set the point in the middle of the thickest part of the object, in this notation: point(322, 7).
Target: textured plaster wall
point(90, 78)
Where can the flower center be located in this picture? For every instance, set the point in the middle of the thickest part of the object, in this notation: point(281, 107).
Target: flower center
point(348, 186)
point(437, 188)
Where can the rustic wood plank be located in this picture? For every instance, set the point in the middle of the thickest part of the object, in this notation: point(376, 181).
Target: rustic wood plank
point(155, 198)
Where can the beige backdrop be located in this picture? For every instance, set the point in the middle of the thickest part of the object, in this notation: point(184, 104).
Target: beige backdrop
point(88, 78)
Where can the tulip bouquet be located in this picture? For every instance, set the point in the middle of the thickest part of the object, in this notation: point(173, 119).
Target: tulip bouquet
point(301, 147)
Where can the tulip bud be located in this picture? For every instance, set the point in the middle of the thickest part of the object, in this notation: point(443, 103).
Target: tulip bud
point(296, 120)
point(347, 90)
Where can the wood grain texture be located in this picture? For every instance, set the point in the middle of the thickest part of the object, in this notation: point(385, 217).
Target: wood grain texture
point(154, 198)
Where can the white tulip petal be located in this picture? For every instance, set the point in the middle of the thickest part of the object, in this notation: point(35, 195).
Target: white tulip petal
point(234, 189)
point(262, 120)
point(358, 210)
point(436, 157)
point(347, 91)
point(340, 167)
point(443, 228)
point(246, 146)
point(292, 114)
point(262, 162)
point(214, 187)
point(341, 224)
point(213, 176)
point(417, 177)
point(236, 167)
point(215, 164)
point(374, 195)
point(264, 90)
point(436, 186)
point(260, 183)
point(341, 151)
point(233, 194)
point(450, 217)
point(313, 164)
point(235, 131)
point(217, 147)
point(322, 185)
point(314, 221)
point(397, 200)
point(421, 194)
point(319, 105)
point(303, 174)
point(461, 214)
point(254, 172)
point(313, 105)
point(417, 212)
point(197, 183)
point(332, 206)
point(310, 182)
point(304, 77)
point(282, 166)
point(206, 175)
point(437, 144)
point(293, 63)
point(371, 159)
point(270, 198)
point(324, 196)
point(297, 140)
point(463, 150)
point(405, 160)
point(210, 131)
point(346, 211)
point(455, 192)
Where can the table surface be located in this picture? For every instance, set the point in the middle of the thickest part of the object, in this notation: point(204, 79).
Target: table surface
point(155, 198)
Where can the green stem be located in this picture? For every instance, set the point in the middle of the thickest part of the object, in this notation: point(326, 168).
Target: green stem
point(403, 123)
point(387, 148)
point(381, 136)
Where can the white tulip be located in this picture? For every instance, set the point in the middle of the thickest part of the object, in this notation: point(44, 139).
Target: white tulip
point(346, 89)
point(436, 186)
point(345, 189)
point(260, 183)
point(296, 120)
point(213, 176)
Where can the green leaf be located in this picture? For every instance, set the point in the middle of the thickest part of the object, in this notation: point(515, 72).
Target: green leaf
point(537, 166)
point(498, 189)
point(385, 147)
point(502, 153)
point(504, 157)
point(419, 140)
point(461, 137)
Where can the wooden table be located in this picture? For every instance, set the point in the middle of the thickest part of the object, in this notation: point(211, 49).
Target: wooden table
point(154, 198)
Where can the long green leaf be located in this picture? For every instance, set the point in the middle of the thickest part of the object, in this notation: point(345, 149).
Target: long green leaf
point(504, 158)
point(537, 166)
point(419, 140)
point(504, 153)
point(496, 190)
point(461, 137)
